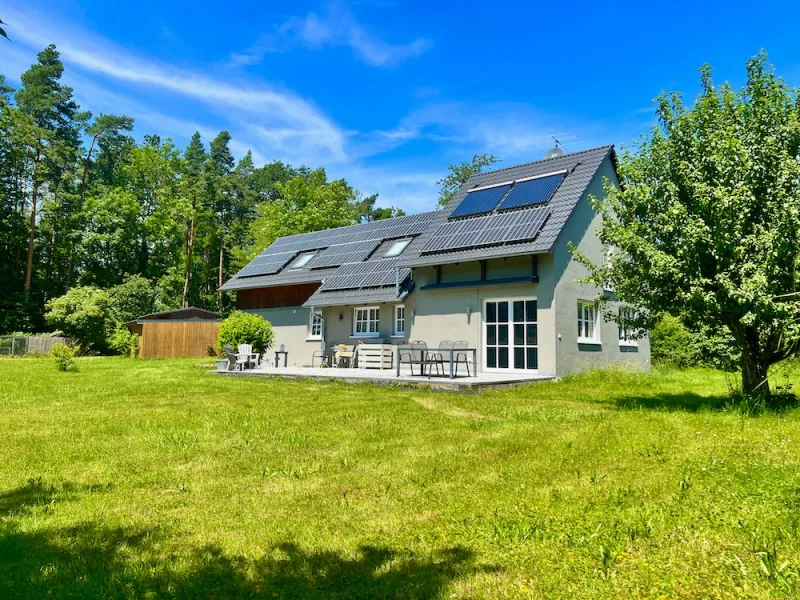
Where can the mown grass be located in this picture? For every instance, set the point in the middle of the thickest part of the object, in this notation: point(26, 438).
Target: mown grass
point(151, 479)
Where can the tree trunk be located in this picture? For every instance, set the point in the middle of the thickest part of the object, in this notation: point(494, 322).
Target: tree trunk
point(754, 374)
point(219, 274)
point(189, 250)
point(32, 236)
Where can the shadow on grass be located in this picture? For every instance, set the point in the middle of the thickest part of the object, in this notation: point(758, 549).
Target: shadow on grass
point(686, 402)
point(38, 493)
point(96, 561)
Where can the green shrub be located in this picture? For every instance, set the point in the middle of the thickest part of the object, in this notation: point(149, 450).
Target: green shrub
point(64, 357)
point(120, 341)
point(133, 346)
point(673, 344)
point(245, 328)
point(86, 314)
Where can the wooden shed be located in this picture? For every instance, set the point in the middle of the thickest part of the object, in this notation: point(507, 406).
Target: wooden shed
point(176, 333)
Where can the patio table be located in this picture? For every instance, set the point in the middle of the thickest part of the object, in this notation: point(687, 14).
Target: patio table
point(452, 352)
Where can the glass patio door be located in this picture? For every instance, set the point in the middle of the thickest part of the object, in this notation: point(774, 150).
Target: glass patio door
point(510, 336)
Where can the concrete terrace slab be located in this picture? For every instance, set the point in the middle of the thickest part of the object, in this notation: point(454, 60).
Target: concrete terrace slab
point(388, 377)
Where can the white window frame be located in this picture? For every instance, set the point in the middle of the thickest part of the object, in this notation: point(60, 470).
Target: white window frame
point(624, 334)
point(368, 322)
point(588, 319)
point(511, 322)
point(303, 258)
point(314, 320)
point(399, 318)
point(404, 241)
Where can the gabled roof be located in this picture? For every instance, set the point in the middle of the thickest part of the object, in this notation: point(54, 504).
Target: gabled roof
point(581, 168)
point(190, 312)
point(355, 245)
point(366, 276)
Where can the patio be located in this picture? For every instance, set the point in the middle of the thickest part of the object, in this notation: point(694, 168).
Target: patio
point(476, 382)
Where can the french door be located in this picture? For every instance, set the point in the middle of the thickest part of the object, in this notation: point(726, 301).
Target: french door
point(510, 335)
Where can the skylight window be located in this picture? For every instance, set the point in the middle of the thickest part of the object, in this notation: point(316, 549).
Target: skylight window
point(301, 260)
point(397, 248)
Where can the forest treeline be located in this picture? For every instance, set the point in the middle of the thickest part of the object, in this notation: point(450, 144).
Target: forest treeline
point(82, 203)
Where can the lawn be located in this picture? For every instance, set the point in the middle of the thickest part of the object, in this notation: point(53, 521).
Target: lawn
point(152, 479)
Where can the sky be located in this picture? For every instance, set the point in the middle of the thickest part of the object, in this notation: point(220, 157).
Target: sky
point(387, 94)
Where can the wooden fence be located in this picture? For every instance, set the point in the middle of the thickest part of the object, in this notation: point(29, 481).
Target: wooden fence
point(19, 345)
point(176, 339)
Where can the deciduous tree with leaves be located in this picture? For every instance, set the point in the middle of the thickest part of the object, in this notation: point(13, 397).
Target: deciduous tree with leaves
point(458, 174)
point(706, 222)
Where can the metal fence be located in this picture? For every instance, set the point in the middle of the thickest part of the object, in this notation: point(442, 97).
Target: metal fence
point(17, 345)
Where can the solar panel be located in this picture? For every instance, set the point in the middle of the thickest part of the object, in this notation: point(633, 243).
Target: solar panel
point(486, 231)
point(266, 264)
point(480, 201)
point(532, 191)
point(341, 254)
point(360, 275)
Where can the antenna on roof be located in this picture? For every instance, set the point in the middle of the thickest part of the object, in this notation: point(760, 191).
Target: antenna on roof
point(556, 151)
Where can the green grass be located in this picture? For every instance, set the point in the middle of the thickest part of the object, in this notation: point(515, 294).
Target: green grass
point(151, 479)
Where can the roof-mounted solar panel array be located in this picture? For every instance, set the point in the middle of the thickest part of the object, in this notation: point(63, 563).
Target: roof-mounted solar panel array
point(480, 201)
point(266, 264)
point(486, 231)
point(530, 192)
point(341, 254)
point(363, 275)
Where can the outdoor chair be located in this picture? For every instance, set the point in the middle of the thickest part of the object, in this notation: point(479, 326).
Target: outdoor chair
point(439, 358)
point(325, 357)
point(247, 355)
point(461, 357)
point(344, 356)
point(235, 361)
point(412, 354)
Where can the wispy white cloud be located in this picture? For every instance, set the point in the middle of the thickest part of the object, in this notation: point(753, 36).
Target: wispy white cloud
point(268, 108)
point(336, 27)
point(508, 130)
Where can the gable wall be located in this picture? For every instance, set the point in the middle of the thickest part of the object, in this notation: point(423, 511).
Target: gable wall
point(581, 228)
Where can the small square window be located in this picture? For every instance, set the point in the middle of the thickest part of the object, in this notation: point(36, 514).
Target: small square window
point(301, 260)
point(396, 249)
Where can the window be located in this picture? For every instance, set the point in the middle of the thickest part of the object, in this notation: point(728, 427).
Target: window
point(399, 320)
point(510, 335)
point(301, 260)
point(626, 338)
point(587, 323)
point(315, 327)
point(366, 321)
point(397, 248)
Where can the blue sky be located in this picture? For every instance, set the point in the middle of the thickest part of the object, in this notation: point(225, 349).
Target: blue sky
point(385, 93)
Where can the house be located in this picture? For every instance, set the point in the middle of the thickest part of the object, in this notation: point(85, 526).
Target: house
point(493, 268)
point(183, 332)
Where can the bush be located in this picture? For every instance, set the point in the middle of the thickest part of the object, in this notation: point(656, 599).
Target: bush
point(64, 357)
point(673, 344)
point(120, 341)
point(86, 314)
point(245, 328)
point(133, 346)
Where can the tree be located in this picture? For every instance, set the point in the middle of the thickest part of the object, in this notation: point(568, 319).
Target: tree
point(53, 127)
point(194, 163)
point(104, 127)
point(219, 167)
point(706, 222)
point(367, 211)
point(458, 175)
point(306, 204)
